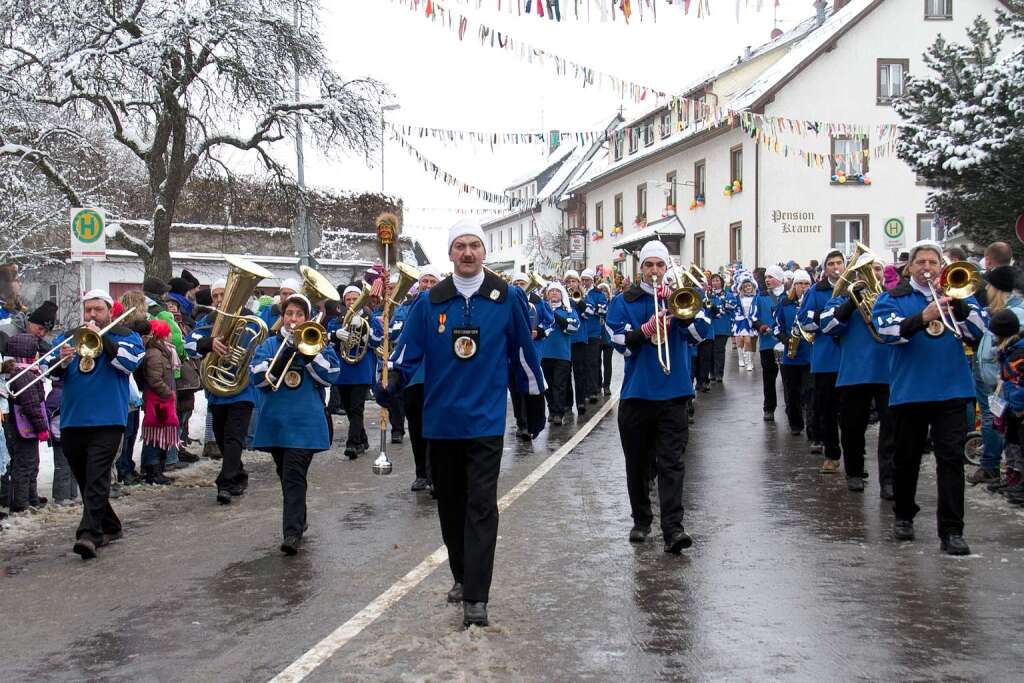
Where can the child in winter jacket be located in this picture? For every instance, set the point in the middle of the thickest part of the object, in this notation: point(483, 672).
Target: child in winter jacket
point(29, 426)
point(65, 489)
point(160, 421)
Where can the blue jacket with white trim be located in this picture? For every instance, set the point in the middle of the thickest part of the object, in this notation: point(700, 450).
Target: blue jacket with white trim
point(404, 310)
point(364, 371)
point(862, 360)
point(99, 398)
point(293, 418)
point(198, 344)
point(558, 334)
point(466, 398)
point(643, 377)
point(764, 314)
point(926, 368)
point(825, 349)
point(595, 307)
point(721, 307)
point(544, 318)
point(785, 314)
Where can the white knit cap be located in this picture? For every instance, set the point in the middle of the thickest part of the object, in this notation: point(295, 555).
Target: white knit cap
point(432, 271)
point(290, 283)
point(588, 272)
point(351, 288)
point(301, 299)
point(571, 273)
point(565, 295)
point(520, 277)
point(788, 275)
point(466, 226)
point(925, 244)
point(775, 272)
point(100, 294)
point(801, 276)
point(219, 284)
point(654, 249)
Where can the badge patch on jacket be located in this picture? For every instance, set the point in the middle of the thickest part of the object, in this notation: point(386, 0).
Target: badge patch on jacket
point(465, 342)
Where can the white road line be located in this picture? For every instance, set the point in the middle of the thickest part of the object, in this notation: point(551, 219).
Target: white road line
point(325, 649)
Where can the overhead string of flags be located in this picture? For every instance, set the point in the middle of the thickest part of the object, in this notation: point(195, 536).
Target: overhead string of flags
point(590, 11)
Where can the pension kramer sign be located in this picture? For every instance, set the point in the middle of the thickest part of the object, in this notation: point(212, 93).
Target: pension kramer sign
point(793, 222)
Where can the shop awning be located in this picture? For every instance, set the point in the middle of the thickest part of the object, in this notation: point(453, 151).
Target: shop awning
point(666, 226)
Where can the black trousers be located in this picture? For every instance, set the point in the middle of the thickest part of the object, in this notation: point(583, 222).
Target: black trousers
point(230, 429)
point(769, 373)
point(23, 468)
point(718, 369)
point(90, 452)
point(948, 422)
point(396, 415)
point(826, 413)
point(580, 378)
point(292, 465)
point(594, 366)
point(413, 398)
point(655, 433)
point(705, 361)
point(855, 409)
point(334, 406)
point(556, 376)
point(517, 401)
point(797, 392)
point(353, 400)
point(465, 473)
point(606, 366)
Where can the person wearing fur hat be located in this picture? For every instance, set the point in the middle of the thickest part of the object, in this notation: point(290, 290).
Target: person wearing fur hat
point(653, 423)
point(908, 317)
point(465, 333)
point(29, 427)
point(91, 430)
point(824, 363)
point(292, 424)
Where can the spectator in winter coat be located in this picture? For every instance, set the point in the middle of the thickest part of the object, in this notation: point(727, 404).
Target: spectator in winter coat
point(29, 426)
point(65, 490)
point(160, 421)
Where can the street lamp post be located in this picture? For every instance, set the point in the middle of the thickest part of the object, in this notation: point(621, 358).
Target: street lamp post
point(387, 107)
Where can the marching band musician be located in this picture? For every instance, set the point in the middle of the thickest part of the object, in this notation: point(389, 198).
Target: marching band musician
point(355, 379)
point(767, 343)
point(796, 379)
point(412, 395)
point(595, 308)
point(91, 429)
point(721, 307)
point(522, 281)
point(291, 423)
point(653, 407)
point(271, 314)
point(466, 333)
point(556, 353)
point(863, 378)
point(909, 318)
point(231, 414)
point(824, 363)
point(605, 366)
point(580, 377)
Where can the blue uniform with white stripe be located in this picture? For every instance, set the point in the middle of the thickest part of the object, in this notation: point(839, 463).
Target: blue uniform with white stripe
point(643, 377)
point(595, 307)
point(723, 305)
point(925, 368)
point(785, 315)
point(99, 398)
point(364, 371)
point(199, 344)
point(825, 349)
point(466, 398)
point(764, 314)
point(293, 418)
point(558, 334)
point(862, 360)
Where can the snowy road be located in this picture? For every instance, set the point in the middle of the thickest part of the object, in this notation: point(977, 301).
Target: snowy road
point(790, 576)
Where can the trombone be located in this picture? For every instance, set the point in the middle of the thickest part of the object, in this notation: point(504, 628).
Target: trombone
point(89, 345)
point(310, 337)
point(683, 303)
point(958, 280)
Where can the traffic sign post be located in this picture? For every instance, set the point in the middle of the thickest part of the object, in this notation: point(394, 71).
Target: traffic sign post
point(895, 234)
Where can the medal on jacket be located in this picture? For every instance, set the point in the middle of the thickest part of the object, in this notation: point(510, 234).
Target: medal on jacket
point(86, 364)
point(440, 322)
point(465, 342)
point(292, 379)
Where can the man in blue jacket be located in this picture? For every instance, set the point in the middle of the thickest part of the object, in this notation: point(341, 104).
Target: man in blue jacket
point(653, 424)
point(863, 378)
point(930, 382)
point(355, 379)
point(764, 317)
point(824, 363)
point(466, 333)
point(93, 414)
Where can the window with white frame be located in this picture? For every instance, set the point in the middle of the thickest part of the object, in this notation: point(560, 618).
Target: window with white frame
point(641, 201)
point(670, 178)
point(634, 139)
point(848, 155)
point(617, 143)
point(599, 216)
point(938, 9)
point(665, 125)
point(648, 133)
point(892, 74)
point(849, 229)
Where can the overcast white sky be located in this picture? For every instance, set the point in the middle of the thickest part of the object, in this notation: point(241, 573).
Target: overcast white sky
point(441, 82)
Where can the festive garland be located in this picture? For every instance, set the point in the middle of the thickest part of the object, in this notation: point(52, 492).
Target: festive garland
point(450, 135)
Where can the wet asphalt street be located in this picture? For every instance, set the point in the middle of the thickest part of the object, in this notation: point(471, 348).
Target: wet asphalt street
point(790, 576)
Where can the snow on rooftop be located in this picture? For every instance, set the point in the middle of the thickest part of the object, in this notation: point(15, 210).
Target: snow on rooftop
point(566, 146)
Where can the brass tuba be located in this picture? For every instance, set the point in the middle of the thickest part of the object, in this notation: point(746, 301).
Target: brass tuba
point(535, 282)
point(858, 281)
point(228, 374)
point(353, 350)
point(310, 337)
point(407, 277)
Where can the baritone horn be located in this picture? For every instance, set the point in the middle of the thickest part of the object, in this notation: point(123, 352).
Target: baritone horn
point(228, 374)
point(354, 348)
point(535, 282)
point(859, 282)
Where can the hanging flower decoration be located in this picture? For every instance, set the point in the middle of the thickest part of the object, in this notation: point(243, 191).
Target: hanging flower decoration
point(693, 205)
point(727, 192)
point(737, 186)
point(598, 234)
point(640, 221)
point(700, 200)
point(617, 230)
point(840, 177)
point(670, 210)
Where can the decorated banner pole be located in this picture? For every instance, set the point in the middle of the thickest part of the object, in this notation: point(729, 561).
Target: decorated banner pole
point(387, 235)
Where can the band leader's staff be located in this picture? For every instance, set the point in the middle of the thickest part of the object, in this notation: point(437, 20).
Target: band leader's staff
point(466, 332)
point(929, 383)
point(291, 423)
point(231, 414)
point(652, 410)
point(93, 414)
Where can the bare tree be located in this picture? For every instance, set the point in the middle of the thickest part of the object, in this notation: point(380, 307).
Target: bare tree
point(173, 83)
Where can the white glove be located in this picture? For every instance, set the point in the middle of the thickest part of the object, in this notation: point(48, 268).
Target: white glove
point(342, 334)
point(357, 320)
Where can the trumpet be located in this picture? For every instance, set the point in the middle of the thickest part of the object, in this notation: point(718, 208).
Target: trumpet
point(87, 343)
point(958, 280)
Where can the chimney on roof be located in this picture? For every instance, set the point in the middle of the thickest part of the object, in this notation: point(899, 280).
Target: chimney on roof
point(820, 7)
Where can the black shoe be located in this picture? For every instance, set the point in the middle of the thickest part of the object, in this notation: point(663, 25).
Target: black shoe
point(558, 420)
point(39, 503)
point(769, 416)
point(706, 387)
point(606, 391)
point(455, 594)
point(639, 534)
point(290, 546)
point(223, 496)
point(903, 530)
point(110, 538)
point(397, 437)
point(131, 479)
point(855, 484)
point(523, 433)
point(350, 453)
point(886, 492)
point(187, 456)
point(238, 490)
point(581, 409)
point(817, 447)
point(474, 614)
point(85, 548)
point(954, 544)
point(678, 542)
point(592, 399)
point(795, 432)
point(420, 484)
